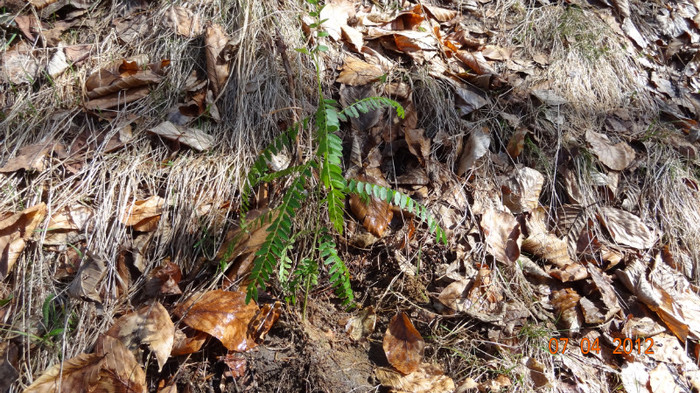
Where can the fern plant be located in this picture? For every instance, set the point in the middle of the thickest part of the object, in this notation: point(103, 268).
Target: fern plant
point(332, 190)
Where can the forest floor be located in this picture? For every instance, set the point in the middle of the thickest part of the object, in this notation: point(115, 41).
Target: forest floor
point(555, 142)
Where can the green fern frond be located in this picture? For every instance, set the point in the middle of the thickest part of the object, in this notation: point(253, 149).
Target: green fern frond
point(278, 235)
point(339, 274)
point(401, 200)
point(370, 103)
point(330, 153)
point(260, 169)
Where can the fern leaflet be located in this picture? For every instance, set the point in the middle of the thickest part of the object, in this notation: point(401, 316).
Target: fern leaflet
point(278, 235)
point(370, 103)
point(339, 274)
point(401, 200)
point(330, 152)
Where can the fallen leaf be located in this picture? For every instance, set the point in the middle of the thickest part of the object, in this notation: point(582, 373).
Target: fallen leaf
point(662, 380)
point(516, 143)
point(565, 302)
point(616, 157)
point(538, 373)
point(15, 230)
point(192, 137)
point(218, 51)
point(549, 97)
point(403, 345)
point(236, 364)
point(120, 371)
point(112, 79)
point(67, 221)
point(375, 214)
point(185, 345)
point(428, 378)
point(143, 215)
point(439, 13)
point(477, 145)
point(86, 284)
point(263, 321)
point(184, 22)
point(493, 52)
point(164, 280)
point(222, 314)
point(335, 15)
point(361, 325)
point(418, 144)
point(353, 37)
point(78, 374)
point(501, 235)
point(117, 99)
point(607, 293)
point(626, 228)
point(150, 325)
point(356, 72)
point(634, 377)
point(241, 244)
point(19, 64)
point(29, 158)
point(521, 192)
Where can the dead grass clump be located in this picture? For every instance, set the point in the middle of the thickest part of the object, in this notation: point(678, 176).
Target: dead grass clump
point(588, 63)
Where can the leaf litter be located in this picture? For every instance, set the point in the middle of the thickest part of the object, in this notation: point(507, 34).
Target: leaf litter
point(565, 130)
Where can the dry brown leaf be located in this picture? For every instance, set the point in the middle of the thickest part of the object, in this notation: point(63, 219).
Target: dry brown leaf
point(477, 145)
point(86, 284)
point(591, 313)
point(117, 99)
point(667, 293)
point(626, 228)
point(516, 143)
point(218, 53)
point(30, 158)
point(521, 193)
point(418, 144)
point(336, 14)
point(604, 284)
point(143, 215)
point(164, 280)
point(240, 246)
point(19, 64)
point(538, 373)
point(616, 157)
point(236, 364)
point(222, 314)
point(150, 325)
point(263, 321)
point(353, 37)
point(112, 80)
point(662, 380)
point(440, 14)
point(15, 230)
point(78, 374)
point(403, 345)
point(356, 72)
point(120, 371)
point(375, 215)
point(407, 20)
point(493, 52)
point(188, 136)
point(501, 235)
point(428, 378)
point(565, 302)
point(475, 61)
point(634, 377)
point(171, 388)
point(361, 325)
point(641, 327)
point(184, 22)
point(185, 345)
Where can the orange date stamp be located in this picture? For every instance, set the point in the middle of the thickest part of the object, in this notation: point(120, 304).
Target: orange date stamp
point(624, 346)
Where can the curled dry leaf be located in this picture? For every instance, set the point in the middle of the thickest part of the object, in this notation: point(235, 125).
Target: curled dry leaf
point(440, 14)
point(418, 144)
point(666, 293)
point(19, 64)
point(403, 345)
point(361, 325)
point(375, 214)
point(335, 15)
point(188, 136)
point(428, 378)
point(120, 371)
point(356, 72)
point(604, 284)
point(78, 374)
point(521, 192)
point(263, 321)
point(184, 22)
point(150, 325)
point(616, 157)
point(565, 301)
point(501, 235)
point(15, 230)
point(164, 280)
point(222, 314)
point(119, 77)
point(218, 54)
point(30, 158)
point(144, 214)
point(626, 228)
point(185, 345)
point(516, 143)
point(241, 245)
point(86, 284)
point(353, 37)
point(477, 145)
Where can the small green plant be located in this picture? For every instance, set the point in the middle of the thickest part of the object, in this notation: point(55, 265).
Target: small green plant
point(325, 160)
